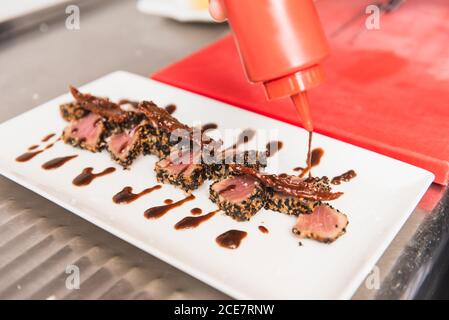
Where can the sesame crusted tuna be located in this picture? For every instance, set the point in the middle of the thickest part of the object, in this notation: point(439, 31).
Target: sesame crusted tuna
point(240, 197)
point(182, 169)
point(125, 146)
point(324, 224)
point(220, 166)
point(293, 205)
point(86, 133)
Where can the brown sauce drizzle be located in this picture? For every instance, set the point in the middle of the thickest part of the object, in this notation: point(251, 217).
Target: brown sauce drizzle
point(157, 212)
point(263, 229)
point(273, 147)
point(34, 146)
point(57, 162)
point(127, 195)
point(48, 137)
point(345, 177)
point(208, 126)
point(50, 145)
point(30, 155)
point(196, 211)
point(314, 160)
point(86, 176)
point(231, 187)
point(231, 239)
point(168, 201)
point(193, 222)
point(171, 108)
point(309, 148)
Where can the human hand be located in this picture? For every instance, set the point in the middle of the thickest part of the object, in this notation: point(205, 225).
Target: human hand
point(217, 10)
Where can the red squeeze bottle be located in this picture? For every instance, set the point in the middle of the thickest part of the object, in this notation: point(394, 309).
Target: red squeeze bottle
point(281, 44)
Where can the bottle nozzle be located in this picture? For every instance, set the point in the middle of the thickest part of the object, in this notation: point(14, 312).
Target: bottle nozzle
point(301, 103)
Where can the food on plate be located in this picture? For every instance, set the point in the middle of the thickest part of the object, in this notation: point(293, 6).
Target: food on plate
point(72, 111)
point(188, 157)
point(284, 203)
point(93, 120)
point(114, 115)
point(293, 205)
point(87, 133)
point(162, 129)
point(127, 145)
point(182, 169)
point(324, 224)
point(220, 166)
point(291, 185)
point(240, 197)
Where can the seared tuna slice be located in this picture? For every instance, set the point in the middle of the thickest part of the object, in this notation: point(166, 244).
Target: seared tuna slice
point(116, 116)
point(324, 224)
point(240, 197)
point(125, 146)
point(163, 131)
point(182, 169)
point(285, 203)
point(72, 111)
point(158, 134)
point(221, 165)
point(87, 133)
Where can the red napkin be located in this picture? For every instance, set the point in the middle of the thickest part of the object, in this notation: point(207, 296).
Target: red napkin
point(387, 90)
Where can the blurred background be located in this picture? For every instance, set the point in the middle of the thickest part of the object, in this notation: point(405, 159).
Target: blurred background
point(183, 10)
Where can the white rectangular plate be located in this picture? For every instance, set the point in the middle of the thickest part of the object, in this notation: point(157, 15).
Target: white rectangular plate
point(265, 266)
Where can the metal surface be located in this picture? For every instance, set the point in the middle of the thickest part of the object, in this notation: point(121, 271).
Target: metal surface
point(38, 239)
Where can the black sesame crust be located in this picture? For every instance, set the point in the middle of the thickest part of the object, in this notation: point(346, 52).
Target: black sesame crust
point(156, 142)
point(187, 183)
point(242, 211)
point(131, 156)
point(283, 203)
point(72, 111)
point(313, 236)
point(322, 183)
point(251, 159)
point(131, 120)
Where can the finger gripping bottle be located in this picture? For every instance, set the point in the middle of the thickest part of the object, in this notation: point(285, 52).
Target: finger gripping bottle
point(281, 44)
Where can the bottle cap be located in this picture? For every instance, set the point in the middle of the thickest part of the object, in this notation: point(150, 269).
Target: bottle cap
point(294, 83)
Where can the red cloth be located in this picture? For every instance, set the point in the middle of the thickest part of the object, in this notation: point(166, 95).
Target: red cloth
point(387, 90)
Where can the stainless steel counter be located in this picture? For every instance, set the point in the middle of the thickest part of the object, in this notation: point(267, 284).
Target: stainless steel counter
point(38, 239)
